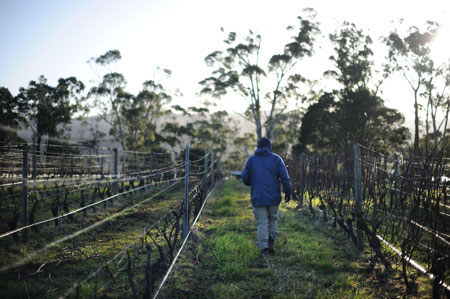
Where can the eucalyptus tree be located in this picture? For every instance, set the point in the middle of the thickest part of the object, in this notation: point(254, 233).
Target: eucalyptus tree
point(337, 120)
point(93, 141)
point(287, 132)
point(11, 115)
point(436, 83)
point(242, 146)
point(201, 128)
point(238, 70)
point(352, 58)
point(353, 113)
point(141, 115)
point(110, 95)
point(410, 54)
point(133, 120)
point(215, 132)
point(48, 109)
point(179, 129)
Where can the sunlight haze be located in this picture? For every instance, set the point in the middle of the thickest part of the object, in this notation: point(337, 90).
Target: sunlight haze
point(57, 38)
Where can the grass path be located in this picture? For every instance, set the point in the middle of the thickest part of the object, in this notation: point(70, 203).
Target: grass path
point(312, 260)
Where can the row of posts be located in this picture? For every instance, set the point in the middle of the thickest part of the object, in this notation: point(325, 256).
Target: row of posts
point(357, 188)
point(208, 163)
point(358, 193)
point(24, 219)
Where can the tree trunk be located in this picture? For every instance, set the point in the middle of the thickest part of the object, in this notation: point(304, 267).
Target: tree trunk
point(444, 143)
point(427, 127)
point(416, 124)
point(257, 117)
point(258, 129)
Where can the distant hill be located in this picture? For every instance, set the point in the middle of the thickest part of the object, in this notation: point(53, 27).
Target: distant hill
point(81, 130)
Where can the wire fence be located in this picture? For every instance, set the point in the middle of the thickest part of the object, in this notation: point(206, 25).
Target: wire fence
point(401, 201)
point(63, 192)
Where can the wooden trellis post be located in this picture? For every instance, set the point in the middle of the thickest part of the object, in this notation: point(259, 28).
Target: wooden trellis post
point(89, 163)
point(186, 194)
point(358, 197)
point(212, 167)
point(115, 176)
point(34, 164)
point(25, 191)
point(205, 175)
point(302, 176)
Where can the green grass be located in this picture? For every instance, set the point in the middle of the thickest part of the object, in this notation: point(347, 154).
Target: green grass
point(220, 260)
point(312, 260)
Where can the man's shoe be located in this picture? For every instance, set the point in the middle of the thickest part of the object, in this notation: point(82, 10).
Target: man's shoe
point(271, 246)
point(265, 252)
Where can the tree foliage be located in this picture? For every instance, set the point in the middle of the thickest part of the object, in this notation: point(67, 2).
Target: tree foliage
point(48, 110)
point(11, 115)
point(110, 96)
point(340, 119)
point(238, 70)
point(133, 119)
point(352, 57)
point(141, 114)
point(355, 113)
point(436, 83)
point(410, 55)
point(205, 130)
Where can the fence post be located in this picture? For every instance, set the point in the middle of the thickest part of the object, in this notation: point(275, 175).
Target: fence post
point(123, 162)
point(205, 175)
point(212, 166)
point(71, 166)
point(186, 194)
point(102, 161)
point(148, 273)
point(302, 175)
point(358, 198)
point(34, 162)
point(63, 163)
point(89, 163)
point(115, 176)
point(25, 191)
point(150, 160)
point(396, 173)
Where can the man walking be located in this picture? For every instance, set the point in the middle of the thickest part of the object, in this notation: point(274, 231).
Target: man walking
point(263, 172)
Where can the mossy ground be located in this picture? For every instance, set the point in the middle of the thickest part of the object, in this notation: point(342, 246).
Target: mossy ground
point(312, 260)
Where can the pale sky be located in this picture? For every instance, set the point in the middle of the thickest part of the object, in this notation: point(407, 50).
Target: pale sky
point(56, 38)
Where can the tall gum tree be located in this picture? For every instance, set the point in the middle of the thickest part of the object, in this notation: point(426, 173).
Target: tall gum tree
point(11, 115)
point(410, 54)
point(48, 109)
point(141, 114)
point(133, 119)
point(353, 113)
point(110, 95)
point(436, 84)
point(238, 69)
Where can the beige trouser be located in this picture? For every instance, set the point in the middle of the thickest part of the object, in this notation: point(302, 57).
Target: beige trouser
point(267, 225)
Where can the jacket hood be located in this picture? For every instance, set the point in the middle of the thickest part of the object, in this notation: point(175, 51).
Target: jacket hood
point(265, 151)
point(264, 142)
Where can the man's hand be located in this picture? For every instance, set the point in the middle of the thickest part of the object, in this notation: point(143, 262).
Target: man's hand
point(287, 198)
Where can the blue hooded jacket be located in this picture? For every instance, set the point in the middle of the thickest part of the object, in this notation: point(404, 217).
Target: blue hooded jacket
point(263, 172)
